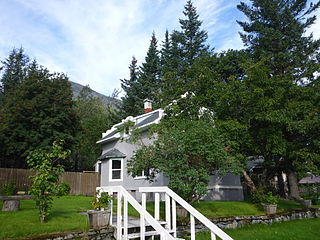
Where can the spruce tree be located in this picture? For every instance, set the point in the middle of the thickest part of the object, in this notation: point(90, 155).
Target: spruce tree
point(131, 105)
point(149, 77)
point(37, 111)
point(192, 37)
point(14, 70)
point(284, 114)
point(184, 48)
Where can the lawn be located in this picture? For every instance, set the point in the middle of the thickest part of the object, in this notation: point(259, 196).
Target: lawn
point(65, 216)
point(293, 230)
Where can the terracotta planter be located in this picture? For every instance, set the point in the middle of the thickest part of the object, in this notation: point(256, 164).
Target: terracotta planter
point(270, 208)
point(181, 212)
point(98, 218)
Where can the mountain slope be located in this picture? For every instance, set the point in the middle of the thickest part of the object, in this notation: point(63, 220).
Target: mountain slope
point(76, 88)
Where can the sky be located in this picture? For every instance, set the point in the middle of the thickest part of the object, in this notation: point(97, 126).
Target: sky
point(93, 41)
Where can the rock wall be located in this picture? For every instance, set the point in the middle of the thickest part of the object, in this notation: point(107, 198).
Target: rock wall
point(240, 221)
point(92, 234)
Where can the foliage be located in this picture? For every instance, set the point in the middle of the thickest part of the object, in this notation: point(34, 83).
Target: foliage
point(9, 189)
point(186, 149)
point(131, 102)
point(94, 117)
point(269, 198)
point(311, 192)
point(36, 111)
point(285, 117)
point(45, 183)
point(101, 201)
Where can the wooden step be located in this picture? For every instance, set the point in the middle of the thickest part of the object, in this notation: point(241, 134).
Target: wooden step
point(148, 234)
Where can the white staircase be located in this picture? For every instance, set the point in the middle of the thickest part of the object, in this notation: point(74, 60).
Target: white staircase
point(151, 227)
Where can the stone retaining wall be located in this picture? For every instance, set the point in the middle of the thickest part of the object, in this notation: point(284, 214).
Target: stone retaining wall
point(240, 221)
point(92, 234)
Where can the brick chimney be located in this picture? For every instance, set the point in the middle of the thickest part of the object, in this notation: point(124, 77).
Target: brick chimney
point(147, 105)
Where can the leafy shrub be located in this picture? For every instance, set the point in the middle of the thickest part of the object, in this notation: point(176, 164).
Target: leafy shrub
point(260, 196)
point(9, 189)
point(257, 195)
point(101, 201)
point(269, 198)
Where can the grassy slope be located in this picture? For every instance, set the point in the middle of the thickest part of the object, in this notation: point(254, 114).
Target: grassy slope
point(65, 216)
point(293, 230)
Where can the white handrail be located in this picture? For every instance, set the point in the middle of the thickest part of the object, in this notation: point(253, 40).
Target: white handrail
point(144, 215)
point(193, 212)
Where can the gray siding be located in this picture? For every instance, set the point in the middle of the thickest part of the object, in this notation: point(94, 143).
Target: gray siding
point(226, 187)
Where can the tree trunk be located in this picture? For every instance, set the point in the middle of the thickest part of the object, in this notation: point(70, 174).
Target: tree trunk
point(281, 185)
point(249, 181)
point(293, 186)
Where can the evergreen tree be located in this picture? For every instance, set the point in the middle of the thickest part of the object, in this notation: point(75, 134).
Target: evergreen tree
point(285, 120)
point(131, 105)
point(15, 70)
point(276, 31)
point(35, 113)
point(193, 38)
point(149, 77)
point(185, 47)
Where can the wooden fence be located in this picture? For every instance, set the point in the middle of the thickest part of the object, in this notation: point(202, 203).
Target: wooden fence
point(83, 183)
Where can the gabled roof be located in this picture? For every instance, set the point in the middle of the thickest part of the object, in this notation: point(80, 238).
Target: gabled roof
point(142, 121)
point(113, 153)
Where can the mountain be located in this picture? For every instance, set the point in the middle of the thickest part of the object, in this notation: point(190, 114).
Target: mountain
point(76, 88)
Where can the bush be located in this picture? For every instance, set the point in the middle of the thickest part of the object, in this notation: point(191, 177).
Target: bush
point(9, 189)
point(260, 196)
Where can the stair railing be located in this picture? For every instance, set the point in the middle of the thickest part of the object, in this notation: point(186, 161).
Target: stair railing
point(123, 195)
point(171, 199)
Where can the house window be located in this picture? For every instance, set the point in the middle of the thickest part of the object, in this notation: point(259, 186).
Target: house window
point(143, 175)
point(116, 170)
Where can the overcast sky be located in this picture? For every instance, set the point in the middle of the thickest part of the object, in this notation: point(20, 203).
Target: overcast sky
point(93, 41)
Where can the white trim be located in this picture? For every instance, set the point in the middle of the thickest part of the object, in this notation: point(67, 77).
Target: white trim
point(121, 170)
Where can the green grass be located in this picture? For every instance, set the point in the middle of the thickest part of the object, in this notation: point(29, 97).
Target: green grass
point(64, 216)
point(293, 230)
point(223, 209)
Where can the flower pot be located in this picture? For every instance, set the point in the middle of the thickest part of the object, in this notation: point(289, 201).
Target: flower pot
point(98, 218)
point(181, 212)
point(270, 208)
point(306, 203)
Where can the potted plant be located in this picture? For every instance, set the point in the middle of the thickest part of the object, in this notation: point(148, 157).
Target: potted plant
point(100, 216)
point(270, 203)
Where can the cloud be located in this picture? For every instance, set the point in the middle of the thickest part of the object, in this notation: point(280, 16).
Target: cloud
point(94, 41)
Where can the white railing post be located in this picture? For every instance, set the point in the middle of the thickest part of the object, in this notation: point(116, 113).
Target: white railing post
point(157, 206)
point(213, 236)
point(216, 231)
point(174, 218)
point(142, 226)
point(168, 215)
point(144, 200)
point(111, 206)
point(119, 206)
point(192, 228)
point(125, 217)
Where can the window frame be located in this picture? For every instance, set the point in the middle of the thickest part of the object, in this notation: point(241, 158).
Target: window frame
point(111, 170)
point(142, 176)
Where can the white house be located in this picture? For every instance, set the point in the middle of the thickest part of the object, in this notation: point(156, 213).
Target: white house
point(115, 153)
